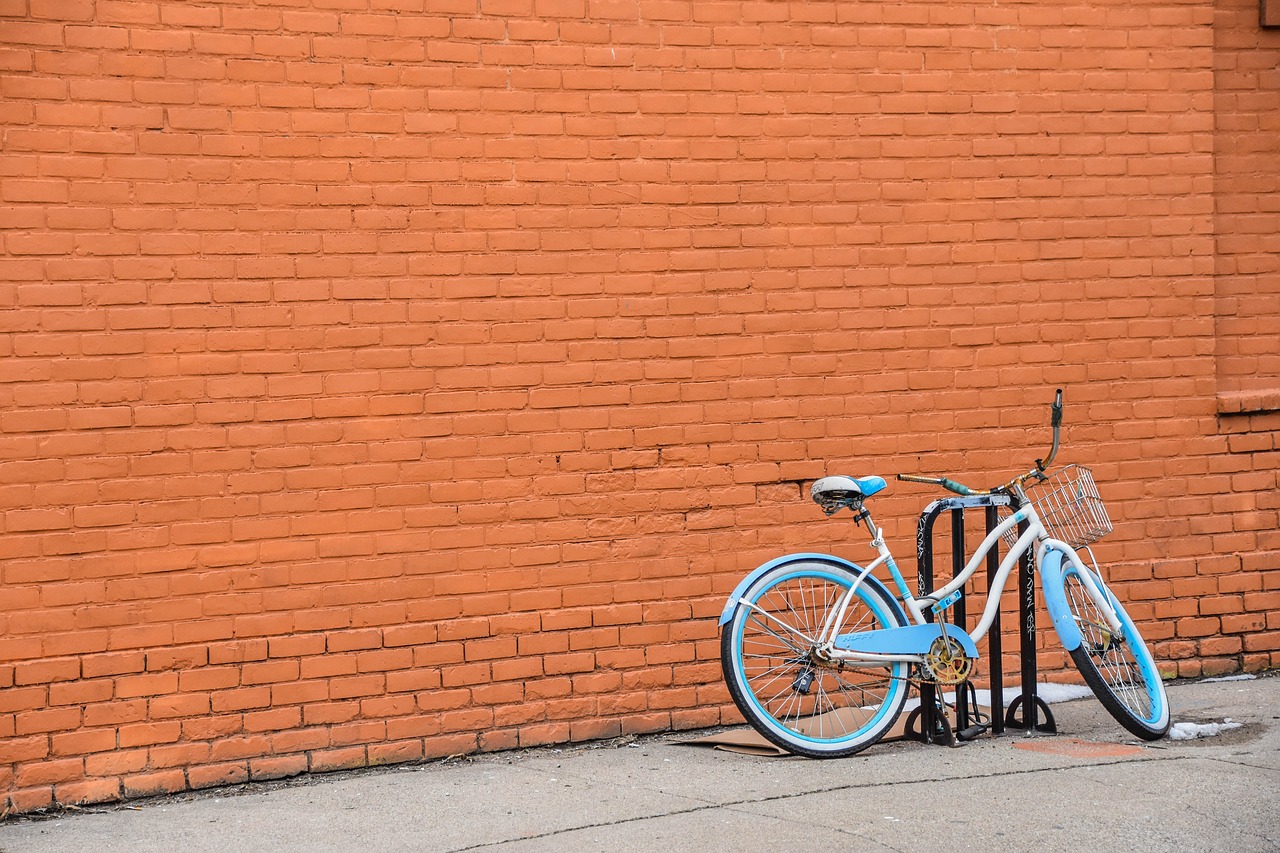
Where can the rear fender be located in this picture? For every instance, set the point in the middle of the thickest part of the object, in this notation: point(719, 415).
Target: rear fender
point(731, 606)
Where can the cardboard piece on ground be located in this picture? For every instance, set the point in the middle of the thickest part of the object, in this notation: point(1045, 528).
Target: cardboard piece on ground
point(747, 741)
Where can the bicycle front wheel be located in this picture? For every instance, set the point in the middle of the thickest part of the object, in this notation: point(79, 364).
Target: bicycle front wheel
point(1117, 667)
point(785, 687)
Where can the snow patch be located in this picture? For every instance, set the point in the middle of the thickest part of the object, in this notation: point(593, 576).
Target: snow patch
point(1052, 693)
point(1228, 678)
point(1049, 693)
point(1191, 731)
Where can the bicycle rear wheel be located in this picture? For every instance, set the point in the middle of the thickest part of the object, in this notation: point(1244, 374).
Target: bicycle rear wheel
point(778, 678)
point(1118, 668)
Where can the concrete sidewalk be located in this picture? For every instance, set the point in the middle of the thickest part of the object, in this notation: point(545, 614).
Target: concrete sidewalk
point(1091, 786)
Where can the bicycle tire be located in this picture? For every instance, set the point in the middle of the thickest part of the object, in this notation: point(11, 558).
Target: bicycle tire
point(798, 702)
point(1121, 672)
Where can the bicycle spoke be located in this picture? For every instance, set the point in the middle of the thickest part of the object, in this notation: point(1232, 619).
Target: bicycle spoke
point(757, 613)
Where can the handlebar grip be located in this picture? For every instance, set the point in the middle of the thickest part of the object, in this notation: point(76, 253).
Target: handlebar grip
point(946, 483)
point(1057, 410)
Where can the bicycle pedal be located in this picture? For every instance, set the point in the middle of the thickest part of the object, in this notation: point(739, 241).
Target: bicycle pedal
point(803, 683)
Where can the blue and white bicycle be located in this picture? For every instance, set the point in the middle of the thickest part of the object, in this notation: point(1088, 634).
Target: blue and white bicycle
point(819, 655)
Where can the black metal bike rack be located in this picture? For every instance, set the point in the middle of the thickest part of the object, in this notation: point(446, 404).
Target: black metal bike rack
point(1025, 710)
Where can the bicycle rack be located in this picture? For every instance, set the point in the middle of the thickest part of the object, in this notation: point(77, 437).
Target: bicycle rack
point(1024, 711)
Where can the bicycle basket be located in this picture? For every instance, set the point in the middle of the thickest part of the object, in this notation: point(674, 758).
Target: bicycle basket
point(1070, 508)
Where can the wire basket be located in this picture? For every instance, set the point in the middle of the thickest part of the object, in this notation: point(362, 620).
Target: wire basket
point(1070, 508)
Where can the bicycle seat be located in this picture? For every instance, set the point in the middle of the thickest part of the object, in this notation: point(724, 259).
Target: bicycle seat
point(831, 493)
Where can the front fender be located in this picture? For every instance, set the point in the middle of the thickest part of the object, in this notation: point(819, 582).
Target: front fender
point(732, 604)
point(1051, 583)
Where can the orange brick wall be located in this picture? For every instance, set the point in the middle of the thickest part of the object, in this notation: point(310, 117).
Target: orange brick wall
point(387, 379)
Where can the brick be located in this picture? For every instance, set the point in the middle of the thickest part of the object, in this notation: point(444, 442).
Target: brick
point(30, 799)
point(300, 740)
point(273, 720)
point(45, 671)
point(113, 763)
point(146, 734)
point(49, 772)
point(24, 749)
point(87, 791)
point(338, 759)
point(215, 775)
point(277, 767)
point(155, 684)
point(83, 742)
point(47, 721)
point(149, 784)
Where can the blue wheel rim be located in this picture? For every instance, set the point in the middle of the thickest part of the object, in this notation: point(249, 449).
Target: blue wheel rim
point(891, 697)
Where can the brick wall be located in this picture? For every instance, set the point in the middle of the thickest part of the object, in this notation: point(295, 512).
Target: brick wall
point(387, 379)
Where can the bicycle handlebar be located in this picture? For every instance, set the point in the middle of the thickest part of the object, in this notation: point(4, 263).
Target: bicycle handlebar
point(1037, 472)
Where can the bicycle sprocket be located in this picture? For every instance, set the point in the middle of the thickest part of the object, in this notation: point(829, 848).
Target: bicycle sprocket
point(946, 662)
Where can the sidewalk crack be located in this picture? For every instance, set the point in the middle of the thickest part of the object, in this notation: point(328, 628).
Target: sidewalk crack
point(734, 805)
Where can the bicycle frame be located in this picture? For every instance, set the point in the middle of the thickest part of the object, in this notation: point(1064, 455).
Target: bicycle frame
point(915, 607)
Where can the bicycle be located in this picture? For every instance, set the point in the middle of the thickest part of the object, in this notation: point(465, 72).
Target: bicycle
point(819, 655)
